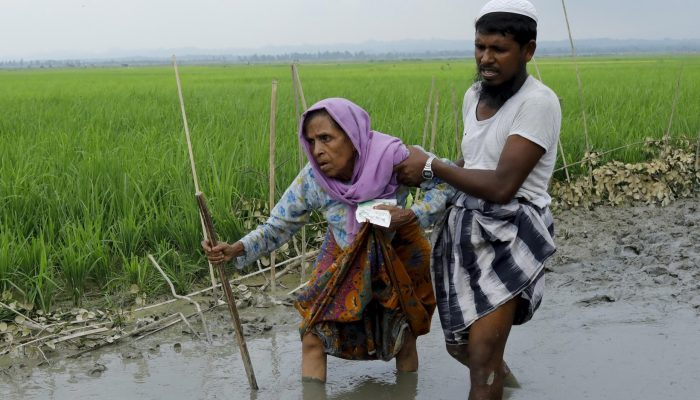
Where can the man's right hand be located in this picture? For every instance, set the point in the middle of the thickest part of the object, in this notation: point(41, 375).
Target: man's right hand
point(222, 252)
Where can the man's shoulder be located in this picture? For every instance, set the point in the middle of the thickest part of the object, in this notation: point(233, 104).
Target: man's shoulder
point(535, 89)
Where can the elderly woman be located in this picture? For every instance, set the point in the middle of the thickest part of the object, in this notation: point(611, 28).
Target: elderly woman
point(370, 293)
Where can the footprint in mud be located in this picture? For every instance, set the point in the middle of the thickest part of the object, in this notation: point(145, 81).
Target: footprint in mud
point(597, 299)
point(631, 250)
point(659, 271)
point(131, 355)
point(97, 370)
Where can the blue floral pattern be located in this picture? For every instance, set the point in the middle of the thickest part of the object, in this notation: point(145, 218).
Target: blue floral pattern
point(305, 195)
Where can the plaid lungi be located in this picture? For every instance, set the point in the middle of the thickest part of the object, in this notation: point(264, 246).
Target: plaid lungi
point(485, 254)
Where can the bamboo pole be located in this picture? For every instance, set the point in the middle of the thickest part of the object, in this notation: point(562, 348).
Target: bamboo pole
point(209, 233)
point(580, 87)
point(273, 118)
point(209, 225)
point(299, 96)
point(537, 69)
point(458, 131)
point(561, 147)
point(427, 112)
point(667, 134)
point(433, 133)
point(428, 109)
point(191, 154)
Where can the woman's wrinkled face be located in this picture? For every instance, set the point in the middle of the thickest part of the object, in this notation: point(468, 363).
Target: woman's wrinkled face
point(330, 147)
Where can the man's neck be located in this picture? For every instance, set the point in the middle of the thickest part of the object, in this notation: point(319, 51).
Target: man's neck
point(492, 99)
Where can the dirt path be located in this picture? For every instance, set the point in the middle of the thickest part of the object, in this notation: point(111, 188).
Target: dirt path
point(620, 320)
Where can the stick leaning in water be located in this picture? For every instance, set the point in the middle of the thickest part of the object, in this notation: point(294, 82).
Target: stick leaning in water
point(226, 286)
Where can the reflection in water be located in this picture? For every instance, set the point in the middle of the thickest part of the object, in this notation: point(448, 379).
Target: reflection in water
point(404, 387)
point(313, 390)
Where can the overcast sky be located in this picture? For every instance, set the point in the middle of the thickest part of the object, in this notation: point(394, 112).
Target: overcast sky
point(83, 28)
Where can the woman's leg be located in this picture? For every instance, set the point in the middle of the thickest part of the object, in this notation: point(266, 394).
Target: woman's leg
point(407, 357)
point(487, 342)
point(313, 358)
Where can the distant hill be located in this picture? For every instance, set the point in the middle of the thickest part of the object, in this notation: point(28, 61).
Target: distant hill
point(366, 51)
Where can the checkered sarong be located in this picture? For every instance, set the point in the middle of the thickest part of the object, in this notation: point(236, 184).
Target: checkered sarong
point(485, 254)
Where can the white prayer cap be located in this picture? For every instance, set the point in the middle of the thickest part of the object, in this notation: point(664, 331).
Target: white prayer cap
point(522, 7)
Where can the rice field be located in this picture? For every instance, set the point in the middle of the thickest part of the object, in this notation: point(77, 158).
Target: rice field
point(94, 172)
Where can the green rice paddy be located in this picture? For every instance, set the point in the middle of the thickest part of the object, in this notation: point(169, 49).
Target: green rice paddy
point(94, 172)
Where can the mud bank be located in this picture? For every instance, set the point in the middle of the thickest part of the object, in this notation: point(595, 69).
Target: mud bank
point(620, 320)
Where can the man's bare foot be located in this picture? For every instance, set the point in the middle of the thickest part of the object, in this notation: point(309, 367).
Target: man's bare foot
point(509, 379)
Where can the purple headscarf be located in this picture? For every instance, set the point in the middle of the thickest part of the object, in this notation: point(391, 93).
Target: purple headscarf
point(377, 154)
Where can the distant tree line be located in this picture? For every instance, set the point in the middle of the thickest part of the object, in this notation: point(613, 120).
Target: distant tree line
point(561, 48)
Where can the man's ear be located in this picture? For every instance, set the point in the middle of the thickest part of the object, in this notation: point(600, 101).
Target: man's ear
point(529, 49)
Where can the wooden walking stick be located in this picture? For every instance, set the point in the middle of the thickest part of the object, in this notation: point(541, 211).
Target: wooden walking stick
point(226, 286)
point(209, 234)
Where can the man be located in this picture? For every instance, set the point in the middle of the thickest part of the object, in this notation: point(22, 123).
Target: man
point(488, 255)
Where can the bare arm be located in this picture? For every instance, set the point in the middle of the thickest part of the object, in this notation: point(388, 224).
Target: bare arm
point(517, 160)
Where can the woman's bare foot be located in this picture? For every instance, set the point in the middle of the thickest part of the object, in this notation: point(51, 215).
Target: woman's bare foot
point(313, 359)
point(407, 357)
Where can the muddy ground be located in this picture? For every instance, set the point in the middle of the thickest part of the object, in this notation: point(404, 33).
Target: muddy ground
point(620, 320)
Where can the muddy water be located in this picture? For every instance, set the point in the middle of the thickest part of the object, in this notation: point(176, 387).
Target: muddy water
point(558, 356)
point(620, 320)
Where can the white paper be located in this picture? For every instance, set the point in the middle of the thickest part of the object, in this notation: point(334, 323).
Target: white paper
point(366, 212)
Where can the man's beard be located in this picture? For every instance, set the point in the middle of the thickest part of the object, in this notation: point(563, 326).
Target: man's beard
point(496, 96)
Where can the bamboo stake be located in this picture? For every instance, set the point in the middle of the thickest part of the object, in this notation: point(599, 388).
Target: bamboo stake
point(458, 131)
point(436, 106)
point(580, 87)
point(299, 96)
point(209, 225)
point(427, 112)
point(208, 230)
point(428, 109)
point(273, 116)
point(537, 69)
point(561, 147)
point(667, 135)
point(191, 154)
point(177, 296)
point(563, 161)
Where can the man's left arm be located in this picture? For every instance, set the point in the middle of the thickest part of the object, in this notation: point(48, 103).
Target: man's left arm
point(533, 132)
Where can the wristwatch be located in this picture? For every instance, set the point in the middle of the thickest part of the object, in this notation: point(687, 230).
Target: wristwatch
point(428, 169)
